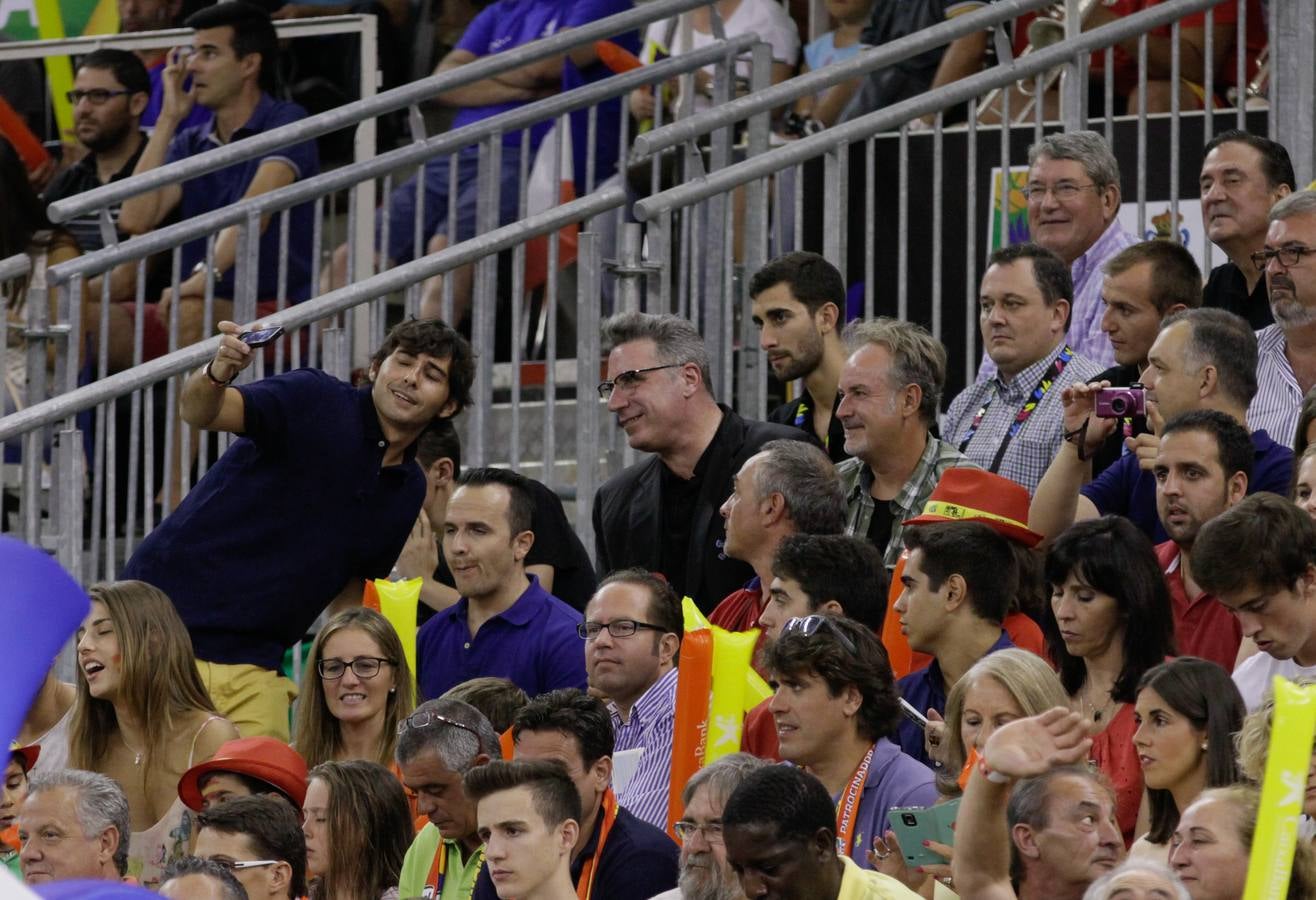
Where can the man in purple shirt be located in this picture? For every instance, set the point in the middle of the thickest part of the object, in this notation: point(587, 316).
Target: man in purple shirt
point(836, 709)
point(505, 624)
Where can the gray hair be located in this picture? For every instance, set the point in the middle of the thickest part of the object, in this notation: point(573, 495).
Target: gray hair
point(1104, 886)
point(1088, 148)
point(101, 804)
point(1222, 339)
point(916, 356)
point(722, 777)
point(806, 479)
point(1028, 803)
point(455, 745)
point(676, 340)
point(196, 865)
point(1299, 203)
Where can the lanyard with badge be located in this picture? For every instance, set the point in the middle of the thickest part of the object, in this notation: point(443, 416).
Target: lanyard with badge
point(585, 884)
point(1025, 412)
point(848, 809)
point(438, 873)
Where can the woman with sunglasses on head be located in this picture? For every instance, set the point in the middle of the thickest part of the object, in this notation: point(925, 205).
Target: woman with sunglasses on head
point(1109, 623)
point(1188, 711)
point(358, 828)
point(358, 689)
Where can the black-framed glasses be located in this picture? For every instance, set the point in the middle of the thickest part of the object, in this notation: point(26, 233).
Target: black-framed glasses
point(237, 865)
point(630, 379)
point(97, 96)
point(1288, 256)
point(685, 830)
point(618, 628)
point(1064, 192)
point(362, 666)
point(809, 626)
point(425, 718)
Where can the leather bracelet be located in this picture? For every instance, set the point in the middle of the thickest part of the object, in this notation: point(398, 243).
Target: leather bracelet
point(215, 381)
point(1081, 433)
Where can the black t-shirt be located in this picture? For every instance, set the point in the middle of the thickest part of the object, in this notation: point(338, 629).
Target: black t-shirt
point(1226, 288)
point(1113, 447)
point(80, 178)
point(680, 497)
point(880, 525)
point(799, 412)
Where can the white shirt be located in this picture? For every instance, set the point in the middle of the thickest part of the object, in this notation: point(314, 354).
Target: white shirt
point(1253, 677)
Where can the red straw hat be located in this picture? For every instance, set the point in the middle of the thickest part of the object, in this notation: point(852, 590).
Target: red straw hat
point(262, 758)
point(972, 495)
point(27, 755)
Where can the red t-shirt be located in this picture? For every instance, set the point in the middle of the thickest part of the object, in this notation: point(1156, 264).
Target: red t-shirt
point(1202, 626)
point(759, 736)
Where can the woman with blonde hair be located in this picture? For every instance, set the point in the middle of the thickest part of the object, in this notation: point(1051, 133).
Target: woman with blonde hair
point(358, 688)
point(1253, 744)
point(142, 715)
point(358, 828)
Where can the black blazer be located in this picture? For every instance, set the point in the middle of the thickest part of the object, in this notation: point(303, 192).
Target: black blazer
point(628, 512)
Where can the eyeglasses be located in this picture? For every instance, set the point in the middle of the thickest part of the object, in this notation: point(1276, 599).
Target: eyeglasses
point(1063, 192)
point(362, 667)
point(809, 625)
point(686, 830)
point(618, 628)
point(97, 96)
point(630, 380)
point(425, 717)
point(1288, 256)
point(237, 865)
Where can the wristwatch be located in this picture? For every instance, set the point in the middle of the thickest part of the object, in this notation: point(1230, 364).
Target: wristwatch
point(201, 267)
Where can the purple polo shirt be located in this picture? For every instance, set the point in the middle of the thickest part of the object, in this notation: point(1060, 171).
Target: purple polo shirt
point(895, 779)
point(533, 643)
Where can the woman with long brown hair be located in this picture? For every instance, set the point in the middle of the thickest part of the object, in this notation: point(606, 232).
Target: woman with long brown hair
point(358, 828)
point(142, 715)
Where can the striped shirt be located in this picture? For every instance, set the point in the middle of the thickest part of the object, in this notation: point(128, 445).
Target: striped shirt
point(650, 726)
point(1278, 402)
point(79, 178)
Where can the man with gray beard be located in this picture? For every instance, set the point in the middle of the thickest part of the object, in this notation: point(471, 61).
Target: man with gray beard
point(705, 872)
point(1286, 351)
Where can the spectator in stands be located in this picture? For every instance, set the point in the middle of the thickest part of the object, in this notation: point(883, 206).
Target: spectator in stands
point(255, 766)
point(136, 16)
point(143, 715)
point(1011, 423)
point(1110, 622)
point(958, 582)
point(637, 673)
point(529, 815)
point(1202, 359)
point(1073, 196)
point(1188, 712)
point(497, 699)
point(1286, 360)
point(47, 723)
point(364, 689)
point(357, 826)
point(109, 94)
point(798, 307)
point(1243, 176)
point(557, 557)
point(788, 487)
point(839, 45)
point(232, 73)
point(781, 840)
point(826, 574)
point(74, 824)
point(1138, 878)
point(194, 878)
point(1253, 741)
point(442, 741)
point(1304, 481)
point(247, 593)
point(1140, 286)
point(661, 514)
point(260, 840)
point(17, 770)
point(1259, 560)
point(616, 854)
point(506, 624)
point(836, 709)
point(1034, 803)
point(890, 392)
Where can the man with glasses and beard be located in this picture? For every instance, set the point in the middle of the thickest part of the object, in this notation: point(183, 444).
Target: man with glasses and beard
point(705, 872)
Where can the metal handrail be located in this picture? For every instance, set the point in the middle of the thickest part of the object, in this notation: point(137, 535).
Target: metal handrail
point(311, 188)
point(89, 396)
point(813, 82)
point(15, 266)
point(352, 113)
point(944, 97)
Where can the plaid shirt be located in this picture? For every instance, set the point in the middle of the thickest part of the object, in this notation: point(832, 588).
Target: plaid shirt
point(1031, 450)
point(857, 483)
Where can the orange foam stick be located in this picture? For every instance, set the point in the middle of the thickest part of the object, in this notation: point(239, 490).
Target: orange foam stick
point(690, 727)
point(616, 57)
point(25, 142)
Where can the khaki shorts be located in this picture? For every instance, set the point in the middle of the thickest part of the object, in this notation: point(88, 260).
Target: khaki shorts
point(256, 700)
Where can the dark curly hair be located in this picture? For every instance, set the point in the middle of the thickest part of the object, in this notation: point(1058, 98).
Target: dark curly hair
point(440, 340)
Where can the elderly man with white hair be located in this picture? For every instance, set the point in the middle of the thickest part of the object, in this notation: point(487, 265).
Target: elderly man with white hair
point(74, 824)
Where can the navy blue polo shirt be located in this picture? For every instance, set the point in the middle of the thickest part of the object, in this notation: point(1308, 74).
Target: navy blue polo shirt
point(216, 190)
point(533, 643)
point(296, 506)
point(925, 690)
point(1126, 489)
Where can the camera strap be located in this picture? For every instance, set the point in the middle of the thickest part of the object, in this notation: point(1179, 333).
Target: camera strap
point(1025, 412)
